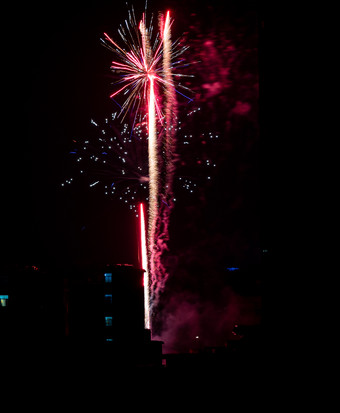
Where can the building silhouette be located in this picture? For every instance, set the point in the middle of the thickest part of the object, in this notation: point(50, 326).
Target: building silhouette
point(80, 315)
point(95, 317)
point(106, 311)
point(31, 311)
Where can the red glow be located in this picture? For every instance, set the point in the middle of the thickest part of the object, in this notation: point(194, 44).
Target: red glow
point(144, 263)
point(142, 239)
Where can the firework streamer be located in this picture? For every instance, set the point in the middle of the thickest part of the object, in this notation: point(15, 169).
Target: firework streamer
point(160, 273)
point(153, 154)
point(153, 178)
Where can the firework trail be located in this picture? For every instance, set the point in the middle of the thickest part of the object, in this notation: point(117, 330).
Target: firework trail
point(153, 177)
point(146, 64)
point(159, 272)
point(152, 147)
point(153, 167)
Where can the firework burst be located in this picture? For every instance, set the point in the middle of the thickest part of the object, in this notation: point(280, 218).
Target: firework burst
point(146, 64)
point(144, 59)
point(114, 159)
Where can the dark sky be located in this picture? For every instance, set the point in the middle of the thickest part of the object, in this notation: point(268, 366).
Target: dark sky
point(56, 77)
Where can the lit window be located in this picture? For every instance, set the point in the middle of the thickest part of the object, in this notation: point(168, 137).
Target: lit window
point(108, 277)
point(108, 298)
point(108, 321)
point(3, 300)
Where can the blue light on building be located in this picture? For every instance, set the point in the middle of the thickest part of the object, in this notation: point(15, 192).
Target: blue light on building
point(108, 321)
point(108, 298)
point(3, 300)
point(108, 277)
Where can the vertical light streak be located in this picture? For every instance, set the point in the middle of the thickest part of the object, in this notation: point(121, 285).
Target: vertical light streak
point(159, 272)
point(169, 105)
point(152, 148)
point(144, 259)
point(146, 55)
point(153, 174)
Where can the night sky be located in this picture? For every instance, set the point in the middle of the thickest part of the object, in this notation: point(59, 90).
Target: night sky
point(56, 77)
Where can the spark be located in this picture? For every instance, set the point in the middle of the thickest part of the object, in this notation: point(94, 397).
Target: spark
point(117, 157)
point(114, 158)
point(94, 183)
